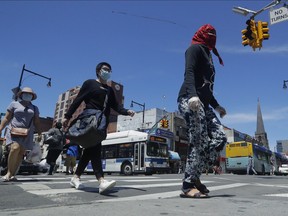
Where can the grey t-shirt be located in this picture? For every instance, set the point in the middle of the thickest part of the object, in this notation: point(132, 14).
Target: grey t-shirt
point(22, 117)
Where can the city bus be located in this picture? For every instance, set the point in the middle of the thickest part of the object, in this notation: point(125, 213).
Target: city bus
point(130, 152)
point(237, 154)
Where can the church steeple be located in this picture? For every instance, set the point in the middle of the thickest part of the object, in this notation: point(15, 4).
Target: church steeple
point(260, 133)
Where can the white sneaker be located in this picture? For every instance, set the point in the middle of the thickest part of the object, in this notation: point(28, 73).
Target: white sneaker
point(105, 185)
point(76, 183)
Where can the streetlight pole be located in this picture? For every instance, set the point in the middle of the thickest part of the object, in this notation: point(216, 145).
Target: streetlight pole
point(284, 84)
point(21, 77)
point(143, 107)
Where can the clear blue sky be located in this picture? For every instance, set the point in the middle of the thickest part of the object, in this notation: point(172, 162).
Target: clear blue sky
point(145, 43)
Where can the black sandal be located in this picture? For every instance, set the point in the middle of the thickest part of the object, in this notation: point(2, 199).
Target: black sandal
point(201, 187)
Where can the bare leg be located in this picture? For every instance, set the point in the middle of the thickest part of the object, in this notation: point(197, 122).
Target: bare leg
point(14, 159)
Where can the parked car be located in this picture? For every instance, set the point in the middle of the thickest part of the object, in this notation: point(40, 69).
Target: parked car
point(283, 170)
point(27, 166)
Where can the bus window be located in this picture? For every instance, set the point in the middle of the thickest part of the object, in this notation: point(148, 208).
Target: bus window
point(125, 150)
point(163, 150)
point(109, 151)
point(243, 144)
point(152, 149)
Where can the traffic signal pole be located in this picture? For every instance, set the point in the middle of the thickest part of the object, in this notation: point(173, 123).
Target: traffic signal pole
point(255, 33)
point(272, 4)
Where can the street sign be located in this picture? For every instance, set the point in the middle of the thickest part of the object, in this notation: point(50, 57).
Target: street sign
point(278, 15)
point(164, 133)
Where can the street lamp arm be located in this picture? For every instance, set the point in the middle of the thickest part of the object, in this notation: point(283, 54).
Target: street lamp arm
point(245, 11)
point(272, 4)
point(142, 105)
point(37, 74)
point(34, 73)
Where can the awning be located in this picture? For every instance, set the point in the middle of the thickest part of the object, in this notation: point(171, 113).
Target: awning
point(174, 155)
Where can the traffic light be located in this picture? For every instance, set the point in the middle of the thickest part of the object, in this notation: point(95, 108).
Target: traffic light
point(166, 123)
point(253, 28)
point(255, 33)
point(161, 122)
point(263, 30)
point(245, 40)
point(250, 33)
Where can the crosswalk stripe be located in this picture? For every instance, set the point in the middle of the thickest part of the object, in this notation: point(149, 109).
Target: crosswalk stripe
point(39, 186)
point(45, 190)
point(270, 185)
point(277, 195)
point(165, 194)
point(49, 191)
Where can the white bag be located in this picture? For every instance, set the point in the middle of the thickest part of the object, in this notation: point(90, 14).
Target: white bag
point(35, 154)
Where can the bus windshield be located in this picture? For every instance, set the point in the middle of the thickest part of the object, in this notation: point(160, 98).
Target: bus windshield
point(157, 149)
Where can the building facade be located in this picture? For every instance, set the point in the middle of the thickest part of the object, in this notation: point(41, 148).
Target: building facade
point(282, 146)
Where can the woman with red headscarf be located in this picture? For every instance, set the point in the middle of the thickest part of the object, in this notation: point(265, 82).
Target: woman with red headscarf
point(195, 103)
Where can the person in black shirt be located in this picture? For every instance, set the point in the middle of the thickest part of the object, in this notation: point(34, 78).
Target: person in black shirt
point(195, 99)
point(93, 93)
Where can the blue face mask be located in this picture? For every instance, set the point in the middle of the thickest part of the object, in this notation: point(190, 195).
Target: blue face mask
point(105, 75)
point(27, 97)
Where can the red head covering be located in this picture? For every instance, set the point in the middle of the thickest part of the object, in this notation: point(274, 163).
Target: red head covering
point(206, 35)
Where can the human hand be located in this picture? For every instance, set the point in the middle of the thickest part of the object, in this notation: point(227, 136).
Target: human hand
point(221, 110)
point(131, 113)
point(194, 104)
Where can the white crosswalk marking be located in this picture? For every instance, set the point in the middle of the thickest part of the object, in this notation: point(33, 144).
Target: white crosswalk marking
point(166, 194)
point(36, 186)
point(277, 195)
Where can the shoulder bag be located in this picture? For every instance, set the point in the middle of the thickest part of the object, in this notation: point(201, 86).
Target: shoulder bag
point(89, 128)
point(21, 132)
point(55, 138)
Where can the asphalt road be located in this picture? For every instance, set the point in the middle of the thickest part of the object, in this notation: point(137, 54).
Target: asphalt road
point(144, 195)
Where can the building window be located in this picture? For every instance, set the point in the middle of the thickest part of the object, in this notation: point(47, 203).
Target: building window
point(61, 114)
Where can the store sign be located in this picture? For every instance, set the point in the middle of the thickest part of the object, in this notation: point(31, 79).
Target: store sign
point(164, 133)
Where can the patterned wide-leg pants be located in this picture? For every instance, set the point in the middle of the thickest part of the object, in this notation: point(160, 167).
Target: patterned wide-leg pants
point(205, 133)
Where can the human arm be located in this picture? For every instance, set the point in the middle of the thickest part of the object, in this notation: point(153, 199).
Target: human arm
point(5, 120)
point(83, 92)
point(191, 61)
point(116, 106)
point(221, 110)
point(191, 65)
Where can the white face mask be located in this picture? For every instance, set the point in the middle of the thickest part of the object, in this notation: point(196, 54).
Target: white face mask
point(27, 97)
